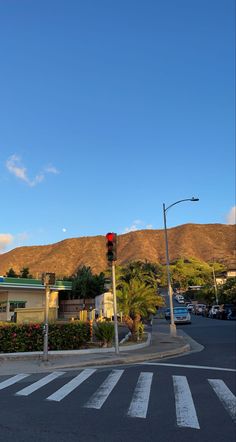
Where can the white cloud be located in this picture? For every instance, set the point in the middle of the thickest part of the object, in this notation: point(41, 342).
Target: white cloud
point(22, 237)
point(231, 217)
point(15, 167)
point(136, 225)
point(5, 240)
point(138, 221)
point(51, 169)
point(64, 229)
point(132, 228)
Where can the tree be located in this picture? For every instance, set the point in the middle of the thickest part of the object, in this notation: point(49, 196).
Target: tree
point(25, 272)
point(227, 292)
point(136, 300)
point(11, 273)
point(87, 285)
point(147, 272)
point(187, 272)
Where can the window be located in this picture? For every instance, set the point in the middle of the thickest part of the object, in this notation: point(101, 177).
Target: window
point(17, 304)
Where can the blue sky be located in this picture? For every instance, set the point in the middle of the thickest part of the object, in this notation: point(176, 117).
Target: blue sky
point(110, 108)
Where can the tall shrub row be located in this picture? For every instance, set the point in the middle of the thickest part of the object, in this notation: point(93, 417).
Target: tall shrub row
point(29, 337)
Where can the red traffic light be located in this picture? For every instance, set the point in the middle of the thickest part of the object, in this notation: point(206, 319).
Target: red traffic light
point(110, 236)
point(111, 246)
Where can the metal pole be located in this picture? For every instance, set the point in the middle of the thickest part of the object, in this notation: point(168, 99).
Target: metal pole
point(115, 308)
point(215, 285)
point(45, 344)
point(172, 322)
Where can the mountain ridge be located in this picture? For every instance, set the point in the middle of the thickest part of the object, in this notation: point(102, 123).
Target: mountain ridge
point(207, 242)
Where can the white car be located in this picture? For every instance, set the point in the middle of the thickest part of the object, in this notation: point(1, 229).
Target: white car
point(190, 307)
point(180, 299)
point(182, 315)
point(213, 310)
point(199, 309)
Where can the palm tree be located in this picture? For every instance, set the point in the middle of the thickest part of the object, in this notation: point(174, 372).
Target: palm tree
point(136, 300)
point(144, 271)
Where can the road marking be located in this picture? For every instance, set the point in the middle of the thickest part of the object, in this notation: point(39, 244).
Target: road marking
point(99, 397)
point(225, 395)
point(185, 410)
point(12, 380)
point(36, 385)
point(70, 386)
point(139, 403)
point(202, 367)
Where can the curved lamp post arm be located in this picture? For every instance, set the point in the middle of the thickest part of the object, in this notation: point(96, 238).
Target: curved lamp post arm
point(180, 201)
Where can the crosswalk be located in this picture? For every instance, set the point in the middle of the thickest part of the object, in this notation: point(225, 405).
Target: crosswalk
point(185, 409)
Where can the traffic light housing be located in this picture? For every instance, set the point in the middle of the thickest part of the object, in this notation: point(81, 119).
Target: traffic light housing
point(111, 246)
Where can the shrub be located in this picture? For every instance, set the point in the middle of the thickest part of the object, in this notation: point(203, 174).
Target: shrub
point(104, 332)
point(140, 330)
point(30, 337)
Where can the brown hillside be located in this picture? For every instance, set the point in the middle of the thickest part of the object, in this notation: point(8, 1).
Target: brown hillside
point(203, 241)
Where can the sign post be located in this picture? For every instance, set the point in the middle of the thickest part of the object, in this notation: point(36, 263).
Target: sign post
point(48, 279)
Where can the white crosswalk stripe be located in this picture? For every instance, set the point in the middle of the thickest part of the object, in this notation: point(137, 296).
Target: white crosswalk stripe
point(70, 386)
point(140, 399)
point(36, 385)
point(185, 410)
point(225, 395)
point(101, 395)
point(12, 380)
point(186, 414)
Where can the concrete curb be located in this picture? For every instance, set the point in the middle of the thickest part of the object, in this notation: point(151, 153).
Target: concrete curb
point(123, 361)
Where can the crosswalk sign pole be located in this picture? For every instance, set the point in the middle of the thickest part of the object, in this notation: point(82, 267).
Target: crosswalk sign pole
point(48, 280)
point(45, 342)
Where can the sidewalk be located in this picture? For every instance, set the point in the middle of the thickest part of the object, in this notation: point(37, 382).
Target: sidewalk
point(158, 345)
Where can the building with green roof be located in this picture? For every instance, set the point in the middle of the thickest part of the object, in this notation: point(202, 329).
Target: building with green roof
point(24, 299)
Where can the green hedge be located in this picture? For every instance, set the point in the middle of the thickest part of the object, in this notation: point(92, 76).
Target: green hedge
point(29, 337)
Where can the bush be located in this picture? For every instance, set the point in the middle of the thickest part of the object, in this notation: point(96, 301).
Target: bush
point(30, 337)
point(104, 332)
point(140, 330)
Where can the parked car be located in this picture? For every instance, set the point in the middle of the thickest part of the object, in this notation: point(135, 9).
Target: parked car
point(213, 310)
point(190, 307)
point(199, 309)
point(180, 299)
point(226, 311)
point(232, 313)
point(182, 315)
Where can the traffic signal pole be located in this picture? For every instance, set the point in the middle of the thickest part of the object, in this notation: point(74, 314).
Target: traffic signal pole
point(112, 257)
point(115, 307)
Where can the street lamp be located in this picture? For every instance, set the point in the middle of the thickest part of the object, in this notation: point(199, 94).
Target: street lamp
point(172, 322)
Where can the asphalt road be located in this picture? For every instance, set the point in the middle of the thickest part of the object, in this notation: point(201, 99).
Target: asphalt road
point(173, 400)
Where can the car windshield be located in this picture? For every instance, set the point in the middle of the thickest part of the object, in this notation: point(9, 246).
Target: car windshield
point(180, 310)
